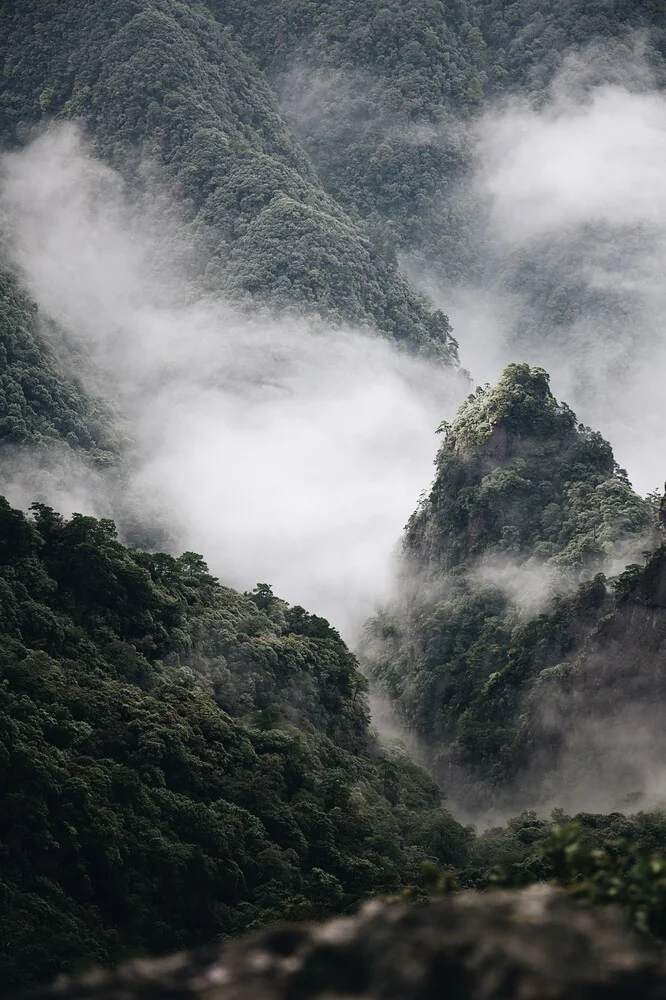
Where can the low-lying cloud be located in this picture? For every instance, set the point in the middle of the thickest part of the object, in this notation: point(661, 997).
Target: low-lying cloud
point(570, 233)
point(597, 162)
point(284, 453)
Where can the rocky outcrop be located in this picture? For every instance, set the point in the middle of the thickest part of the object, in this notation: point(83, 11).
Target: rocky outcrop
point(533, 944)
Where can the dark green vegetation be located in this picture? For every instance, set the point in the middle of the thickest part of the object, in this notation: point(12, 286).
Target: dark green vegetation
point(602, 860)
point(378, 90)
point(524, 498)
point(384, 98)
point(165, 81)
point(310, 219)
point(518, 476)
point(178, 761)
point(40, 404)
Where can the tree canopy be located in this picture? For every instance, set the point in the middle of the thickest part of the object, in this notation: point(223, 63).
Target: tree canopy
point(179, 761)
point(509, 548)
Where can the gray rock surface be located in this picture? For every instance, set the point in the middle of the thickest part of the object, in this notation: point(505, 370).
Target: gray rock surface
point(522, 945)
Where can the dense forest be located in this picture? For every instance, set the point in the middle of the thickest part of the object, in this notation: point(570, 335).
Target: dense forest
point(167, 81)
point(41, 402)
point(180, 761)
point(512, 601)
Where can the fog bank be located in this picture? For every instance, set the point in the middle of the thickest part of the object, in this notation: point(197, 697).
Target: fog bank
point(285, 452)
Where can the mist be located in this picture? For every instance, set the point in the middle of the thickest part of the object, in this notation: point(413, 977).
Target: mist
point(292, 453)
point(285, 452)
point(570, 228)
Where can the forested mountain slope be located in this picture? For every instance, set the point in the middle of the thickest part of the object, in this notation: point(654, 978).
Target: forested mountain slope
point(525, 504)
point(40, 402)
point(163, 88)
point(518, 475)
point(378, 91)
point(178, 761)
point(311, 219)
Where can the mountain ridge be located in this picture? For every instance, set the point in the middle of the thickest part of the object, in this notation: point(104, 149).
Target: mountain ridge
point(180, 762)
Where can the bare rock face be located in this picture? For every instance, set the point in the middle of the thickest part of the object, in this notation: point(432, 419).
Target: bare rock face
point(533, 944)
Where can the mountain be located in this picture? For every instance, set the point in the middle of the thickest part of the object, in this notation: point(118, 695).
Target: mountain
point(378, 92)
point(504, 602)
point(517, 475)
point(165, 88)
point(179, 761)
point(447, 127)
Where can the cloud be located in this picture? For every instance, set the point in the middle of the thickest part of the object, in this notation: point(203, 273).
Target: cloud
point(569, 228)
point(600, 162)
point(528, 586)
point(285, 452)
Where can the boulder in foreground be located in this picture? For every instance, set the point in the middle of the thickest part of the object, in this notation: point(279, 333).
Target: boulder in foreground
point(529, 944)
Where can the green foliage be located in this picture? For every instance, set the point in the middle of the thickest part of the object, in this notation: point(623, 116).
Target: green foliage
point(601, 861)
point(166, 83)
point(521, 491)
point(619, 873)
point(521, 403)
point(39, 403)
point(374, 95)
point(178, 761)
point(517, 475)
point(372, 91)
point(378, 92)
point(612, 860)
point(529, 39)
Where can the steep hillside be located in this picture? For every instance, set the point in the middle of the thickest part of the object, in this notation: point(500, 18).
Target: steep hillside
point(42, 404)
point(178, 761)
point(517, 475)
point(404, 109)
point(378, 93)
point(595, 718)
point(169, 98)
point(525, 503)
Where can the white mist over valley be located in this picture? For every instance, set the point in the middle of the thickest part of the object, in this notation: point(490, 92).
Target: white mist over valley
point(287, 452)
point(292, 452)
